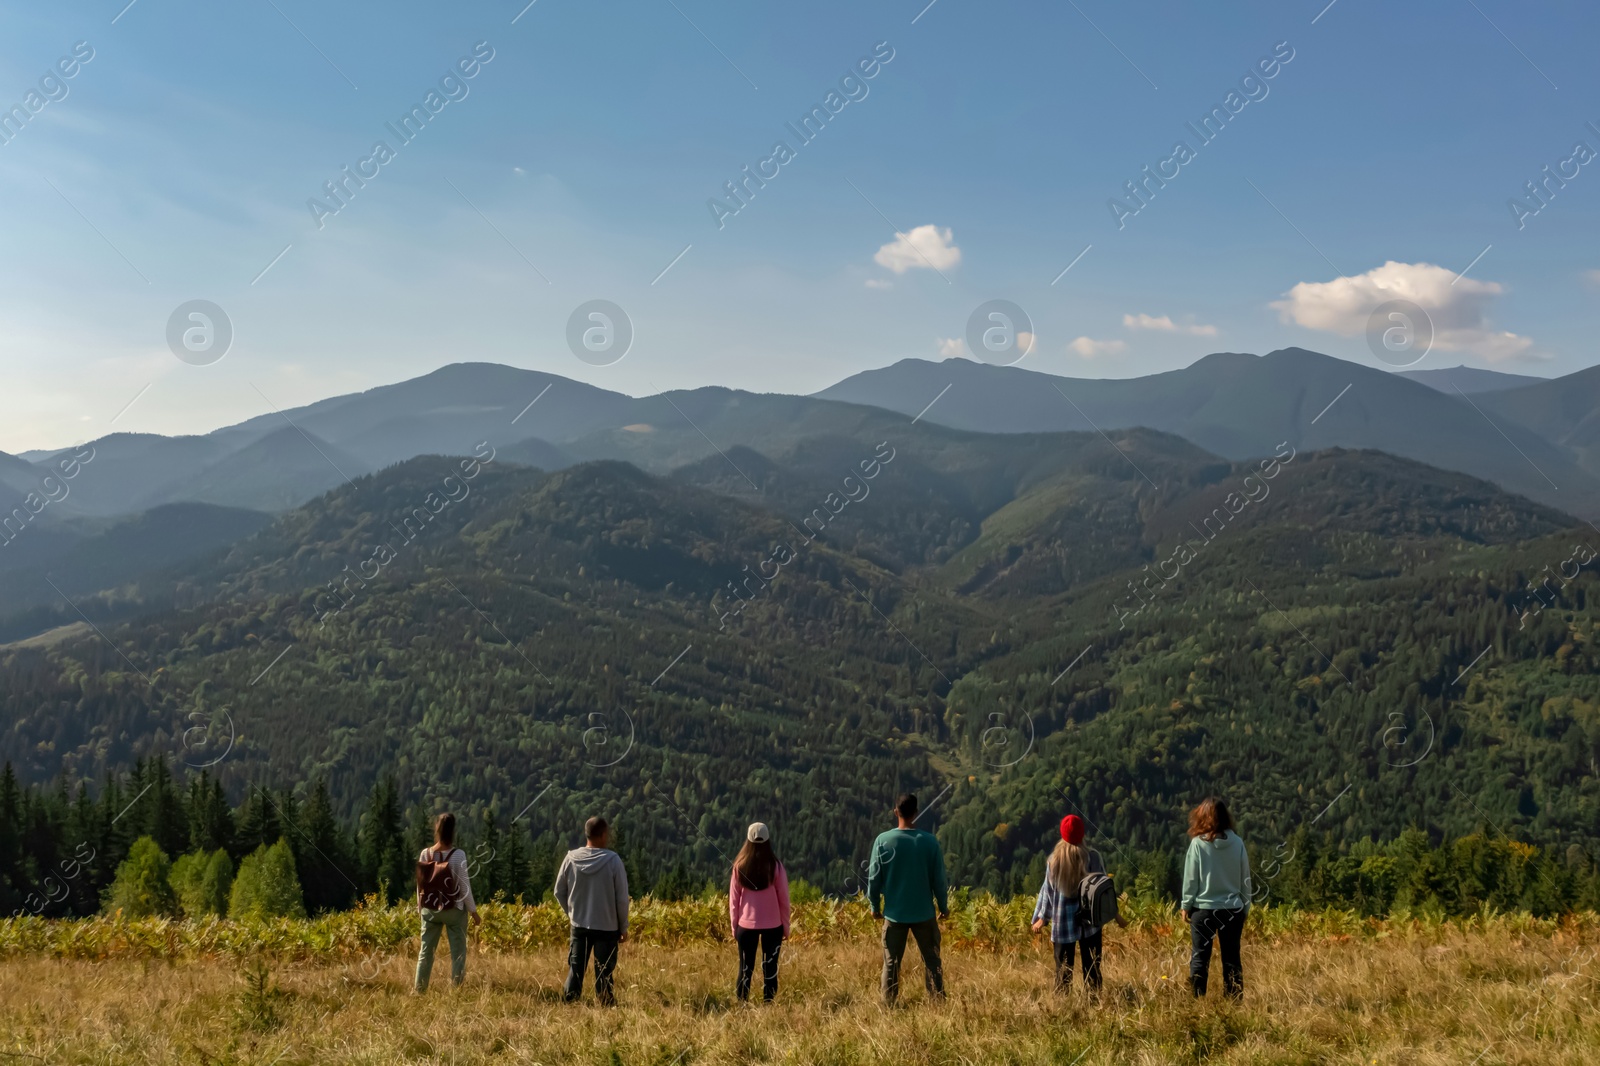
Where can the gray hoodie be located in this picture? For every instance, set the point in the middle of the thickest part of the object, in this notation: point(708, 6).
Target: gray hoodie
point(592, 889)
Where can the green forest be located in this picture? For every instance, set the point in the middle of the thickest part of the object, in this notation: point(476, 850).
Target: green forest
point(1388, 670)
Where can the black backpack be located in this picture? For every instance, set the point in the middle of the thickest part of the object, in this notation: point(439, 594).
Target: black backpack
point(1097, 901)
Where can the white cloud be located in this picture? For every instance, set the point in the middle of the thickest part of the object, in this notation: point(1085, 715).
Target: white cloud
point(1458, 310)
point(1088, 347)
point(952, 347)
point(1164, 324)
point(923, 248)
point(1025, 342)
point(1592, 277)
point(879, 283)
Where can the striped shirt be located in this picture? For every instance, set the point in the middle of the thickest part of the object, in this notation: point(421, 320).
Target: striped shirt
point(458, 872)
point(1061, 911)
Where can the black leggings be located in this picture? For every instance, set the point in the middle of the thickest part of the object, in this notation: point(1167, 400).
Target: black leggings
point(1090, 947)
point(771, 941)
point(1226, 927)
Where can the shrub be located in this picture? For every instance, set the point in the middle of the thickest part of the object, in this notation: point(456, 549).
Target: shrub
point(803, 891)
point(267, 886)
point(143, 886)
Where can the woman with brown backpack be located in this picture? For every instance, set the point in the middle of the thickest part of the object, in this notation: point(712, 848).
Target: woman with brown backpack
point(1073, 872)
point(444, 898)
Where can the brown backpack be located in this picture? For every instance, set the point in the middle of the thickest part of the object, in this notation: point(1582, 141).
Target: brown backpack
point(436, 885)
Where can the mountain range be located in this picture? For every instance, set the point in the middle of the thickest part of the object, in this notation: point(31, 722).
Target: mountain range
point(1533, 437)
point(1538, 439)
point(1116, 619)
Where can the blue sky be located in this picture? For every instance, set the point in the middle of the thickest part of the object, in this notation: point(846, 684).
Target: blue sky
point(180, 161)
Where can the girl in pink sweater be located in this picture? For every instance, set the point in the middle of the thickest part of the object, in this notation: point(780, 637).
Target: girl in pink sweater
point(758, 908)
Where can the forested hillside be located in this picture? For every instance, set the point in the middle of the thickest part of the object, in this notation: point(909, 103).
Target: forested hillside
point(1346, 644)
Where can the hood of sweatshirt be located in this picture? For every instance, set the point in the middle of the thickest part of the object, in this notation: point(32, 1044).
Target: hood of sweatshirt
point(591, 861)
point(1227, 842)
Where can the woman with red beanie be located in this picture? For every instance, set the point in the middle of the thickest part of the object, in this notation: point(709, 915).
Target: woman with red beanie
point(1069, 864)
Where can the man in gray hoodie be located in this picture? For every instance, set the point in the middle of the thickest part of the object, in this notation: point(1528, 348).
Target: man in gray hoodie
point(592, 888)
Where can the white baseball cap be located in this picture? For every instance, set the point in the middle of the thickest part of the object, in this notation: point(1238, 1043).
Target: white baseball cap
point(758, 832)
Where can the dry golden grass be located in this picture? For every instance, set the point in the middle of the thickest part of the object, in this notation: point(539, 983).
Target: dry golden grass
point(1486, 992)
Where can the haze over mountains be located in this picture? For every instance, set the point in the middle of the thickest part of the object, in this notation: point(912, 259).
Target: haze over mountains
point(1233, 405)
point(1538, 440)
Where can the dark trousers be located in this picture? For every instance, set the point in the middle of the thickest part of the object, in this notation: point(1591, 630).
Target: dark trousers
point(894, 949)
point(603, 943)
point(771, 941)
point(1090, 947)
point(1226, 927)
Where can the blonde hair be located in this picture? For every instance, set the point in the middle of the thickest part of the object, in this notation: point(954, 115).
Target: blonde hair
point(1067, 866)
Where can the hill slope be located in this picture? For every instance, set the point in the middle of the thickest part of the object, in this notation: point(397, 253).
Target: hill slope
point(1008, 616)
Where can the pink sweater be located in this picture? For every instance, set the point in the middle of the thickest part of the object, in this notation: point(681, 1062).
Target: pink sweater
point(766, 909)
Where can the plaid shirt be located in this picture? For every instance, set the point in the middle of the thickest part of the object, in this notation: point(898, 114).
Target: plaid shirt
point(1061, 911)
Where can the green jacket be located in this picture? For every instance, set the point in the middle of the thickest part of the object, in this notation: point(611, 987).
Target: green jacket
point(907, 876)
point(1216, 874)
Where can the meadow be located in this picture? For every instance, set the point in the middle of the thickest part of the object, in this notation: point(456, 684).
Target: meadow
point(1322, 987)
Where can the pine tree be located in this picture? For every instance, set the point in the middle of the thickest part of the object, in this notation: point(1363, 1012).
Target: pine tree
point(630, 862)
point(143, 885)
point(267, 886)
point(518, 865)
point(323, 861)
point(13, 876)
point(160, 811)
point(484, 860)
point(258, 821)
point(384, 862)
point(547, 856)
point(210, 817)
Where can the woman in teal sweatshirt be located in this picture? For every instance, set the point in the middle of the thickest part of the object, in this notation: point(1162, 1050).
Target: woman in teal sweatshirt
point(1216, 895)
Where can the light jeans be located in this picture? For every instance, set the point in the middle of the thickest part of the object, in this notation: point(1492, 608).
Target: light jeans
point(452, 920)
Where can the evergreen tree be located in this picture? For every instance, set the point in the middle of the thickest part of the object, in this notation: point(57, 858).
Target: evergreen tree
point(13, 875)
point(143, 885)
point(43, 824)
point(210, 816)
point(630, 862)
point(484, 862)
point(547, 856)
point(160, 811)
point(258, 821)
point(323, 859)
point(267, 886)
point(518, 866)
point(385, 866)
point(675, 884)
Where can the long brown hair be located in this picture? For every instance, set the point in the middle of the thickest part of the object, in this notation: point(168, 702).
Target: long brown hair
point(444, 830)
point(1210, 819)
point(756, 864)
point(1067, 866)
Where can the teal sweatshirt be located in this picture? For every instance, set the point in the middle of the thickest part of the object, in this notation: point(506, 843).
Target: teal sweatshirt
point(906, 876)
point(1216, 874)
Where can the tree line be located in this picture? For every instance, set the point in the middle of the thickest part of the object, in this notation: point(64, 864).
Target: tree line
point(151, 844)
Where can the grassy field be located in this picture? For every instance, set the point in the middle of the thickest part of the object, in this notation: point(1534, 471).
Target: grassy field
point(1321, 988)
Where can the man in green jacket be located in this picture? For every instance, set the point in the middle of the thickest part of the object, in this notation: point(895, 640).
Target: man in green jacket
point(904, 882)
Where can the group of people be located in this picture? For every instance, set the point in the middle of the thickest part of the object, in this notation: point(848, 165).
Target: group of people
point(907, 890)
